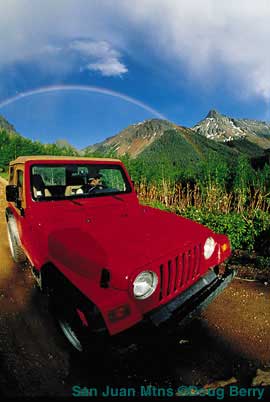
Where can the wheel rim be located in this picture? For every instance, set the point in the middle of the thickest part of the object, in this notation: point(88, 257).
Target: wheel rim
point(70, 335)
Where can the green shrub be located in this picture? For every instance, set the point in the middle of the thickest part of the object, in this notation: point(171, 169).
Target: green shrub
point(263, 262)
point(157, 204)
point(4, 175)
point(242, 229)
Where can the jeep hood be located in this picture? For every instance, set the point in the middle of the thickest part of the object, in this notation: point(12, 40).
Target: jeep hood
point(125, 243)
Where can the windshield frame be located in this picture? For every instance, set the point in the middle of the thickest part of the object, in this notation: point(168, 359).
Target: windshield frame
point(93, 194)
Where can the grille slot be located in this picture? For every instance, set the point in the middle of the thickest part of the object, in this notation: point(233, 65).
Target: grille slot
point(179, 271)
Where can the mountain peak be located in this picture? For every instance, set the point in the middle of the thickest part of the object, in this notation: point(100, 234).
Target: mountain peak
point(133, 139)
point(213, 113)
point(222, 128)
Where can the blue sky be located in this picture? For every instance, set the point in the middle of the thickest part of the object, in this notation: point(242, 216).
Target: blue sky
point(176, 59)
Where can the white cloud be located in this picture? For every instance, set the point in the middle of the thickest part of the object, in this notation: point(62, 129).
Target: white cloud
point(108, 68)
point(104, 58)
point(210, 38)
point(207, 39)
point(44, 33)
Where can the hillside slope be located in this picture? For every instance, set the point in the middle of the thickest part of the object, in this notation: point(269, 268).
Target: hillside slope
point(5, 125)
point(181, 153)
point(133, 139)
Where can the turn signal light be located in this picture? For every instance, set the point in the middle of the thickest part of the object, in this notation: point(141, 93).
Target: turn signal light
point(119, 313)
point(224, 247)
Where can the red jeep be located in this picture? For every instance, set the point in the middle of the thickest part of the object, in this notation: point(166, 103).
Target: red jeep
point(108, 262)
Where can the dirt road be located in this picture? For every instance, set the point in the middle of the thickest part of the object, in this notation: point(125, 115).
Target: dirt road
point(232, 338)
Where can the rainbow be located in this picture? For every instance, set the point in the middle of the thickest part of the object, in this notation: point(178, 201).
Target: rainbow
point(85, 88)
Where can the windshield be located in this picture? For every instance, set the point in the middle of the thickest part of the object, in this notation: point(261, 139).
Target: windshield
point(64, 181)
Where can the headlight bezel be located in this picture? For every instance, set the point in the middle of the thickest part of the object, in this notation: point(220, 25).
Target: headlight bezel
point(152, 288)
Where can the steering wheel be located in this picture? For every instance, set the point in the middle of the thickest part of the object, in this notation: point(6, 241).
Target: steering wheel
point(97, 187)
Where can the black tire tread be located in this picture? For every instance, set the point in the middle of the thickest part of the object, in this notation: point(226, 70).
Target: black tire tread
point(16, 250)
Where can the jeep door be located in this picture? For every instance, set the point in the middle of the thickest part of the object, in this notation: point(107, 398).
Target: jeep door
point(20, 208)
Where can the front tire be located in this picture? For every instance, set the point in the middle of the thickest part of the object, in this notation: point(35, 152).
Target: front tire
point(70, 330)
point(79, 322)
point(65, 311)
point(16, 250)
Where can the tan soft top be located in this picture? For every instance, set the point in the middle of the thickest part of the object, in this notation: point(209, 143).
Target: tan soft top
point(23, 159)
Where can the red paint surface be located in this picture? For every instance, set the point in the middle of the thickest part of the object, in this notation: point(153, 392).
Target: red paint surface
point(119, 235)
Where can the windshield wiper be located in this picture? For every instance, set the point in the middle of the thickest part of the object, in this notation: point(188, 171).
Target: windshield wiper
point(117, 197)
point(63, 198)
point(74, 201)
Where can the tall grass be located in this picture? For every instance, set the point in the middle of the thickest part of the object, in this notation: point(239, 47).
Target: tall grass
point(211, 197)
point(243, 214)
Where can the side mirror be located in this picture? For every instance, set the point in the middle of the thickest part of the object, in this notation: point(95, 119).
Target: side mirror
point(11, 193)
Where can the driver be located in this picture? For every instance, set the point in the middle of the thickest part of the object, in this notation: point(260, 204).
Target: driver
point(95, 181)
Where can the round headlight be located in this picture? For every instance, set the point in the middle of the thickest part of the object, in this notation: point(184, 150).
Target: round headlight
point(209, 247)
point(145, 284)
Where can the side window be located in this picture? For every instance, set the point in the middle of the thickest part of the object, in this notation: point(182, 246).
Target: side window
point(11, 174)
point(51, 176)
point(20, 184)
point(113, 179)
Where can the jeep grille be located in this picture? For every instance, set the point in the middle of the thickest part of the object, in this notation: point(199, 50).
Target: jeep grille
point(178, 272)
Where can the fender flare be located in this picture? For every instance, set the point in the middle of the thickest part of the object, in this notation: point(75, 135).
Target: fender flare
point(49, 272)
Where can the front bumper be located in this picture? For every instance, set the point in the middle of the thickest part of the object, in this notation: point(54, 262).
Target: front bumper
point(191, 302)
point(183, 308)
